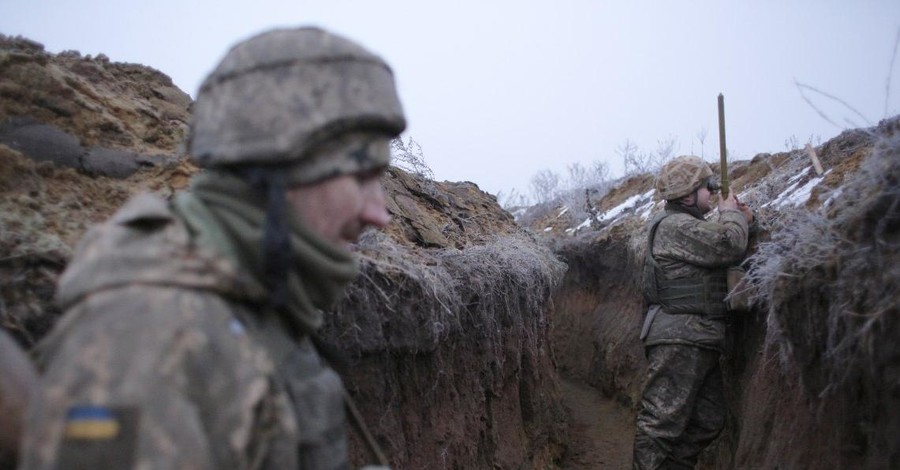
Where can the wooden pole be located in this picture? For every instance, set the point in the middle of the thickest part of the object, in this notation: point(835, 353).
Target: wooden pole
point(723, 157)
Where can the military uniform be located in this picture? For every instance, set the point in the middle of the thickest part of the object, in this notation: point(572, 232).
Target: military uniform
point(18, 380)
point(682, 406)
point(158, 362)
point(186, 341)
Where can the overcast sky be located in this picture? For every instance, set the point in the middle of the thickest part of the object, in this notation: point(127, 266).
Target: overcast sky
point(496, 91)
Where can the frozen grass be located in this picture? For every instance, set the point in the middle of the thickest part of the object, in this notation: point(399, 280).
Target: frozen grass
point(851, 255)
point(412, 300)
point(828, 281)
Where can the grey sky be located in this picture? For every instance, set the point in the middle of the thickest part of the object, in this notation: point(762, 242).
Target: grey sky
point(496, 91)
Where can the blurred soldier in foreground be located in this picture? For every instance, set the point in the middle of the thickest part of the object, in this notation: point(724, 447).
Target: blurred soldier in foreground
point(682, 407)
point(17, 383)
point(187, 337)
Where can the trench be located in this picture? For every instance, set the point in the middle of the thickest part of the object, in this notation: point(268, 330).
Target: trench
point(601, 431)
point(595, 324)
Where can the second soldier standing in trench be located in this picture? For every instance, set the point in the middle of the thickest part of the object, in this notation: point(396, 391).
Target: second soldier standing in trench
point(186, 338)
point(683, 404)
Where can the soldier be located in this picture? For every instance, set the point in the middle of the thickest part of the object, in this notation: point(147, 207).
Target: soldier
point(682, 407)
point(187, 335)
point(18, 381)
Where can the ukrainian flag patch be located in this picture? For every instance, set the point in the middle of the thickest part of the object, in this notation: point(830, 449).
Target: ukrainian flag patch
point(98, 437)
point(91, 423)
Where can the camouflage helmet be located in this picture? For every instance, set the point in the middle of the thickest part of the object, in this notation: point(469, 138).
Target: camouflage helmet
point(277, 96)
point(681, 176)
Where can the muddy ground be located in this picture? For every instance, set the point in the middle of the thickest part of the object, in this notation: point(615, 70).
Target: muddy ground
point(601, 430)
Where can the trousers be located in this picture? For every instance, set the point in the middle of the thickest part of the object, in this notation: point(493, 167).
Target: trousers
point(682, 407)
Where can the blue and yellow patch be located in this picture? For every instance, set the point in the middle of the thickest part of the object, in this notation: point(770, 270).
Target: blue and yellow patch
point(91, 422)
point(98, 437)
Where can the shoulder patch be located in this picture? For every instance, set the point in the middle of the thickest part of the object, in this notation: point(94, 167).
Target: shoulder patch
point(91, 422)
point(97, 437)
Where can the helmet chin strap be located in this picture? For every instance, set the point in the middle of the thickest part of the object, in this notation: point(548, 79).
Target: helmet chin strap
point(277, 252)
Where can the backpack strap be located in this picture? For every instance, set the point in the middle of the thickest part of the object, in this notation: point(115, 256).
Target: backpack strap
point(651, 285)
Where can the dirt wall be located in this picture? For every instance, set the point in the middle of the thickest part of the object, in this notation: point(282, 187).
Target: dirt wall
point(597, 315)
point(450, 353)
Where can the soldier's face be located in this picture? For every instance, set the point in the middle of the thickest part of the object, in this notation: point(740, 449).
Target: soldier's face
point(338, 209)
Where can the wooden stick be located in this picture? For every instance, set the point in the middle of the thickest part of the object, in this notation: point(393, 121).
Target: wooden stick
point(723, 149)
point(815, 159)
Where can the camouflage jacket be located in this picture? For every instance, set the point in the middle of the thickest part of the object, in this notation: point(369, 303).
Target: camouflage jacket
point(163, 360)
point(688, 247)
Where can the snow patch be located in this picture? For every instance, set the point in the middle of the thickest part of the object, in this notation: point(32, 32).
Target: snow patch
point(645, 210)
point(795, 193)
point(627, 204)
point(586, 223)
point(834, 195)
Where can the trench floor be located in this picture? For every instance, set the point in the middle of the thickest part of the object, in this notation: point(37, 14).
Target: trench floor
point(601, 431)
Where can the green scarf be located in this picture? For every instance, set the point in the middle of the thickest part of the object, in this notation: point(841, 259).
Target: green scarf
point(229, 216)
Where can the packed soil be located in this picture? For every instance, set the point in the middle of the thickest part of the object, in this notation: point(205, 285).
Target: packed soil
point(601, 431)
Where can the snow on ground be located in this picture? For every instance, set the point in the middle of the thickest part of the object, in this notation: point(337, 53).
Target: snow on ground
point(645, 210)
point(796, 193)
point(614, 213)
point(833, 197)
point(586, 223)
point(627, 204)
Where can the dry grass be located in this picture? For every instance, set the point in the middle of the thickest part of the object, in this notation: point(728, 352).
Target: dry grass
point(829, 281)
point(410, 300)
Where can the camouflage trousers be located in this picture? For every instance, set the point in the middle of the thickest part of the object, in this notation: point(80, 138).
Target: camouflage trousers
point(682, 408)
